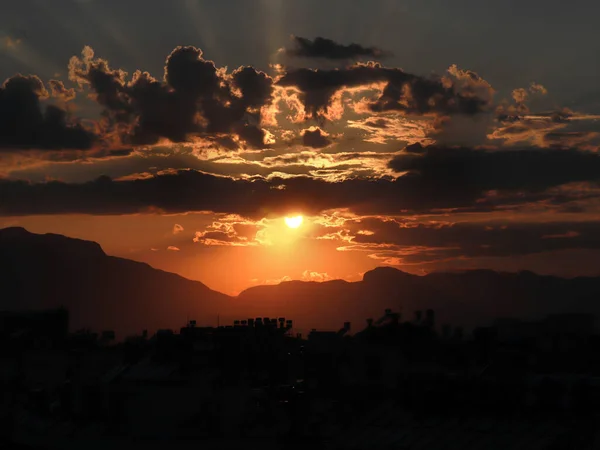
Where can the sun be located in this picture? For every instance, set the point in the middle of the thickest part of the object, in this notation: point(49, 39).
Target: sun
point(294, 222)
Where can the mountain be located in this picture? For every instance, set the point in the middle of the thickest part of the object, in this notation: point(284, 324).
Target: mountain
point(100, 291)
point(105, 292)
point(469, 299)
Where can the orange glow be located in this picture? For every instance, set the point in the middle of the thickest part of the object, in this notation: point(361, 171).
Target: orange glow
point(294, 222)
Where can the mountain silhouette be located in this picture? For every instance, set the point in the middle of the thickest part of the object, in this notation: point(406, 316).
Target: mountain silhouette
point(100, 291)
point(106, 292)
point(469, 299)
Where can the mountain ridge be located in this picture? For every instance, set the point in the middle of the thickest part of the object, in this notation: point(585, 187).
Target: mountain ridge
point(40, 271)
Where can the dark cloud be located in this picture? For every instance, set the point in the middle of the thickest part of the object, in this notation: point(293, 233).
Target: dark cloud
point(569, 138)
point(315, 138)
point(422, 242)
point(252, 135)
point(25, 124)
point(196, 99)
point(468, 170)
point(561, 128)
point(489, 239)
point(563, 115)
point(256, 87)
point(188, 73)
point(377, 123)
point(411, 94)
point(435, 178)
point(328, 49)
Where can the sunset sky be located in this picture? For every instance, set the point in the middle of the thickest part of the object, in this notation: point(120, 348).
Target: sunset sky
point(425, 135)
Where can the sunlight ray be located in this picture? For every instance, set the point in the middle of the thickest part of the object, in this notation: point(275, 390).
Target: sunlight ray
point(198, 16)
point(76, 29)
point(274, 35)
point(103, 22)
point(27, 55)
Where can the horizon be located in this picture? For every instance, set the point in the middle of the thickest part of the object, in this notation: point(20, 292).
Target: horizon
point(104, 292)
point(303, 279)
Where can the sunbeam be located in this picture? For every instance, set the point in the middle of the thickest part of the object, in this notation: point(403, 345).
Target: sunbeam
point(23, 53)
point(95, 12)
point(274, 35)
point(197, 15)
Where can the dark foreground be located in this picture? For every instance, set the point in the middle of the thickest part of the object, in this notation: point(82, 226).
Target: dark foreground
point(395, 384)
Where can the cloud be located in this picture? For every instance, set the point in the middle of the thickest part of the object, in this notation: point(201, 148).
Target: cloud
point(460, 92)
point(465, 170)
point(328, 49)
point(195, 99)
point(431, 178)
point(566, 235)
point(521, 96)
point(315, 137)
point(383, 130)
point(560, 128)
point(319, 277)
point(10, 42)
point(231, 230)
point(173, 248)
point(399, 241)
point(271, 281)
point(177, 228)
point(25, 125)
point(59, 91)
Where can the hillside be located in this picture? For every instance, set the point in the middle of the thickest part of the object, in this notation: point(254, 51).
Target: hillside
point(105, 292)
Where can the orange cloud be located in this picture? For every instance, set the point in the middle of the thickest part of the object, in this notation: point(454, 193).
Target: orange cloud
point(319, 277)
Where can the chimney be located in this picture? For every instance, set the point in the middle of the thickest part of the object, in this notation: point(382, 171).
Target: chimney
point(345, 329)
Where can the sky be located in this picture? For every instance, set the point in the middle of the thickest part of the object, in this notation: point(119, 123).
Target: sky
point(423, 135)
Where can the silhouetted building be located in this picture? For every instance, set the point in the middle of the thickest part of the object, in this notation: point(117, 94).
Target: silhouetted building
point(51, 326)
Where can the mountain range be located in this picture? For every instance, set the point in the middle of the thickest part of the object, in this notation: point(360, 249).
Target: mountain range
point(43, 271)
